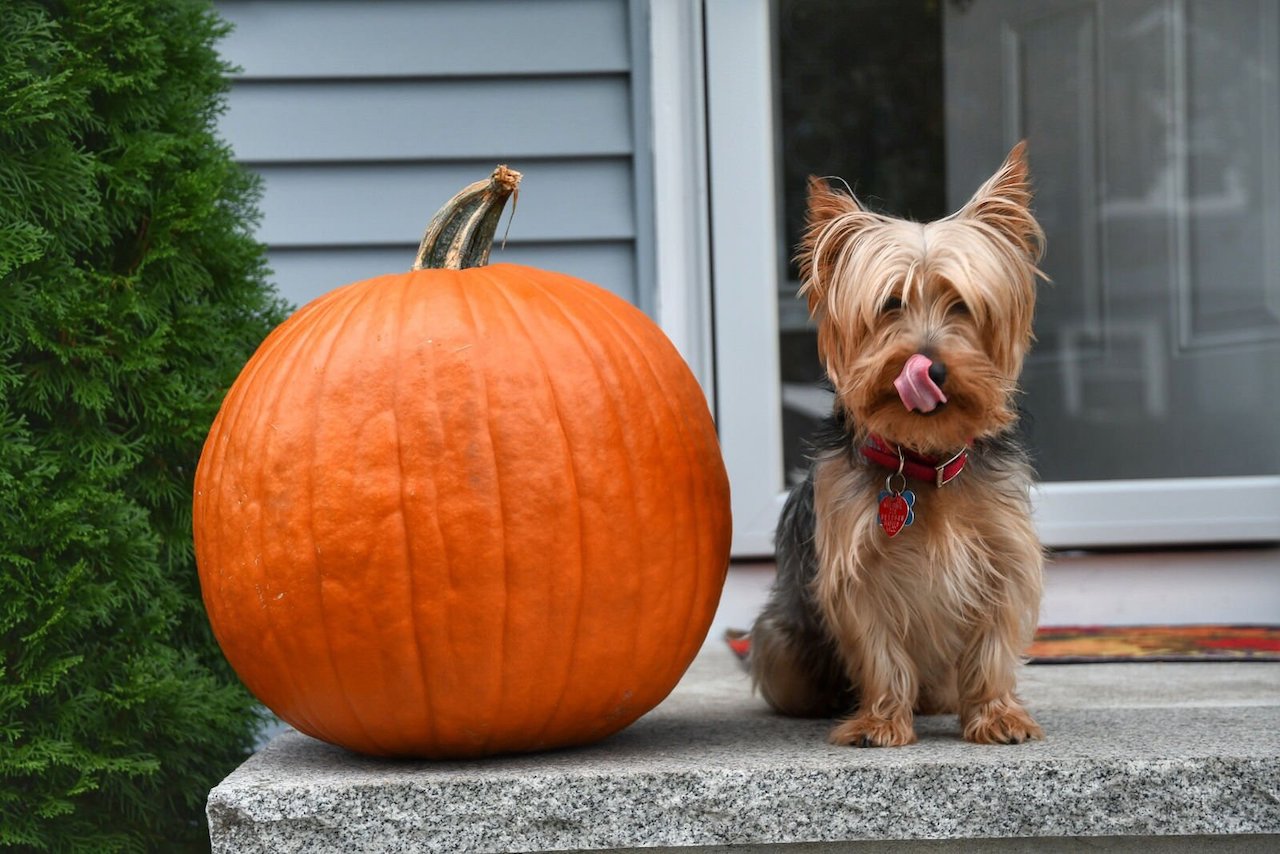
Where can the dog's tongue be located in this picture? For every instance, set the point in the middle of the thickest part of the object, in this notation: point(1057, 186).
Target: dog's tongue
point(915, 387)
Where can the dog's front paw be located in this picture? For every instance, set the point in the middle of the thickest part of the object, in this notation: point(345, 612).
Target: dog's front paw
point(1001, 722)
point(873, 731)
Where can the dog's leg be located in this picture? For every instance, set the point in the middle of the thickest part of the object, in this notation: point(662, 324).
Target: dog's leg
point(793, 662)
point(887, 684)
point(990, 711)
point(795, 673)
point(857, 613)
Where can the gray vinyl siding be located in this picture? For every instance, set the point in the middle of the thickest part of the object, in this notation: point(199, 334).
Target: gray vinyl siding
point(363, 117)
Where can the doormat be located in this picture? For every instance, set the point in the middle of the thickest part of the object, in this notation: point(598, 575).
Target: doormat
point(1088, 644)
point(1099, 644)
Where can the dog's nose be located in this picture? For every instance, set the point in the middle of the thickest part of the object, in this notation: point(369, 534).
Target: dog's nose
point(938, 373)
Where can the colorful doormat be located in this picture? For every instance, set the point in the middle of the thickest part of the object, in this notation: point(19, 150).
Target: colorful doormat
point(1085, 644)
point(1095, 644)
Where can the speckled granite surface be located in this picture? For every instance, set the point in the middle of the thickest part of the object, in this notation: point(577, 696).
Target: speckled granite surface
point(1153, 749)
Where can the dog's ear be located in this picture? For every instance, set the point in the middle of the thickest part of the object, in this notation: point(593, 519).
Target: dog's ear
point(817, 252)
point(1004, 204)
point(825, 203)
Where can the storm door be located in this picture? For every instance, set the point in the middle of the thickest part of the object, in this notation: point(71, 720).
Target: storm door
point(1153, 395)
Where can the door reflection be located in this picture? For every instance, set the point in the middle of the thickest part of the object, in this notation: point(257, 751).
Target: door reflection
point(861, 92)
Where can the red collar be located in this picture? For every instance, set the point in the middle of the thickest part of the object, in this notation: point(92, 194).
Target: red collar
point(913, 465)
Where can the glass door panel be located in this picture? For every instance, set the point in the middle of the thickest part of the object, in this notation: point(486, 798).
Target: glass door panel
point(861, 99)
point(1154, 129)
point(1153, 137)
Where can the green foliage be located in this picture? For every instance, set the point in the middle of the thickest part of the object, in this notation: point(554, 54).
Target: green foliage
point(131, 292)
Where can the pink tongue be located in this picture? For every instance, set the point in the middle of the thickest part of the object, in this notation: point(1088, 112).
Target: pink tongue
point(915, 387)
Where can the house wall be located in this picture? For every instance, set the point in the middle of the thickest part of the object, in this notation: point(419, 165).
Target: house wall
point(363, 117)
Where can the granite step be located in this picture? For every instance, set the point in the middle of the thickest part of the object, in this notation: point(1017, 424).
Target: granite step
point(1189, 753)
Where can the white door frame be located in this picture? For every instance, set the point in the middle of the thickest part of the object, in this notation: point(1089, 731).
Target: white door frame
point(745, 263)
point(738, 184)
point(709, 300)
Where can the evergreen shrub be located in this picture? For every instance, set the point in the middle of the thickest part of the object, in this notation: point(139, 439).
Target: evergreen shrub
point(131, 292)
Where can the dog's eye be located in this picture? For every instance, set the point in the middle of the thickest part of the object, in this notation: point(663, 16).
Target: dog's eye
point(958, 309)
point(891, 304)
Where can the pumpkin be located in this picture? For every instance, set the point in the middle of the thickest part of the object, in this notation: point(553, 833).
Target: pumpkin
point(462, 510)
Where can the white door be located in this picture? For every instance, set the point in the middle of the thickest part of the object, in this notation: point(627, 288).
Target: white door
point(1154, 391)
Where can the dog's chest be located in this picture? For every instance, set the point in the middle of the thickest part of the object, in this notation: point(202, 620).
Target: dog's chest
point(941, 560)
point(951, 535)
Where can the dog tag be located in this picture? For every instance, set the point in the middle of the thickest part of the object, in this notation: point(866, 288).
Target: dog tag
point(896, 510)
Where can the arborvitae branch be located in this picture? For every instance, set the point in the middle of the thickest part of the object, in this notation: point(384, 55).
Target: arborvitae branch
point(131, 292)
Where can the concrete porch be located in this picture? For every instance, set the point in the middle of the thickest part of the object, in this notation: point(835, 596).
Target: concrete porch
point(1189, 753)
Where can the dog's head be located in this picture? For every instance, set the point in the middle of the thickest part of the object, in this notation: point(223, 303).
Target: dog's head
point(923, 327)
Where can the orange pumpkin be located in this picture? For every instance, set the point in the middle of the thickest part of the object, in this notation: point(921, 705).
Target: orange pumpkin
point(456, 512)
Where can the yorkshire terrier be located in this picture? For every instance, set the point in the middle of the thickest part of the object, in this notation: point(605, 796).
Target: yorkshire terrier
point(909, 571)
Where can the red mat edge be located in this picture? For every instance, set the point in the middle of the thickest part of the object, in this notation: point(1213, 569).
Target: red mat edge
point(740, 644)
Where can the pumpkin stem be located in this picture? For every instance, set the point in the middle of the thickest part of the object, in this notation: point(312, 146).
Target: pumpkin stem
point(460, 235)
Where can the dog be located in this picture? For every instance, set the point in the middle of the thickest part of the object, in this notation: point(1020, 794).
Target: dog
point(909, 571)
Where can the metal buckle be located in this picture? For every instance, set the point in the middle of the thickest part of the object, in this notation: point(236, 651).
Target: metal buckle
point(942, 480)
